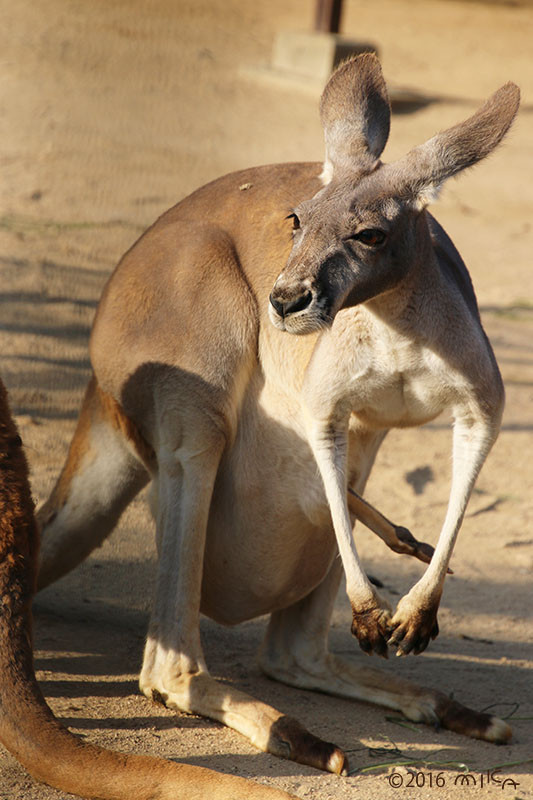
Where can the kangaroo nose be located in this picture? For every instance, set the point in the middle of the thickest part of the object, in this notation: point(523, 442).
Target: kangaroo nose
point(291, 306)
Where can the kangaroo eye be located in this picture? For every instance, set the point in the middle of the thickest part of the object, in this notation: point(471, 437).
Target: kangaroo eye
point(372, 237)
point(295, 221)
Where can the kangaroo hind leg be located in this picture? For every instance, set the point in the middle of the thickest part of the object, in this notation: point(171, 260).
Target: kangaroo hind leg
point(295, 652)
point(174, 668)
point(103, 472)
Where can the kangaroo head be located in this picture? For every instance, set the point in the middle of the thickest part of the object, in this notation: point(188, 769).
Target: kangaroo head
point(366, 230)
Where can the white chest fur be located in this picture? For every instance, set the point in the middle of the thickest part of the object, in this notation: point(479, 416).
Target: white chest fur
point(388, 377)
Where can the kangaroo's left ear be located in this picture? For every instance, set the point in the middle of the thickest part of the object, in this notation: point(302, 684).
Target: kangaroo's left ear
point(355, 114)
point(424, 169)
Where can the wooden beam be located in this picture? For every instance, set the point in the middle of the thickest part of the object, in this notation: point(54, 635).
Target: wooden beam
point(328, 16)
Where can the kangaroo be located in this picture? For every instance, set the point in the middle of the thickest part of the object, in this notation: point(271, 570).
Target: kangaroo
point(249, 354)
point(28, 729)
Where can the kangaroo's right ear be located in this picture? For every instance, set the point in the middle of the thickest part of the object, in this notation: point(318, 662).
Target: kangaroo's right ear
point(355, 114)
point(422, 171)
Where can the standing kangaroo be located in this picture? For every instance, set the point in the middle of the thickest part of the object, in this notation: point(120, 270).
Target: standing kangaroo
point(227, 383)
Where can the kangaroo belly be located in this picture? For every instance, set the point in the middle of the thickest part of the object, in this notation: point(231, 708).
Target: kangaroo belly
point(257, 565)
point(269, 537)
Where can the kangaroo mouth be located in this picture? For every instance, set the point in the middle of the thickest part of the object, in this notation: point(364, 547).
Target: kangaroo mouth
point(276, 319)
point(300, 321)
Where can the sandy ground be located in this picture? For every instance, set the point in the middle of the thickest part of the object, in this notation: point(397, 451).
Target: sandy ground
point(110, 113)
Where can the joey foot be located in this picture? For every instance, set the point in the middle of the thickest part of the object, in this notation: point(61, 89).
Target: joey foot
point(371, 626)
point(408, 544)
point(414, 623)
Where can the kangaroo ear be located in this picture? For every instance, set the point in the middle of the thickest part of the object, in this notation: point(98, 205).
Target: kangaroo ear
point(422, 172)
point(355, 114)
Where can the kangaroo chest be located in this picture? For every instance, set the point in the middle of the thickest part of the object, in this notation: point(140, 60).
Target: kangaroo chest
point(385, 378)
point(399, 392)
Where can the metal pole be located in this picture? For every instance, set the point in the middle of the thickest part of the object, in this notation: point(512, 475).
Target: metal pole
point(328, 16)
